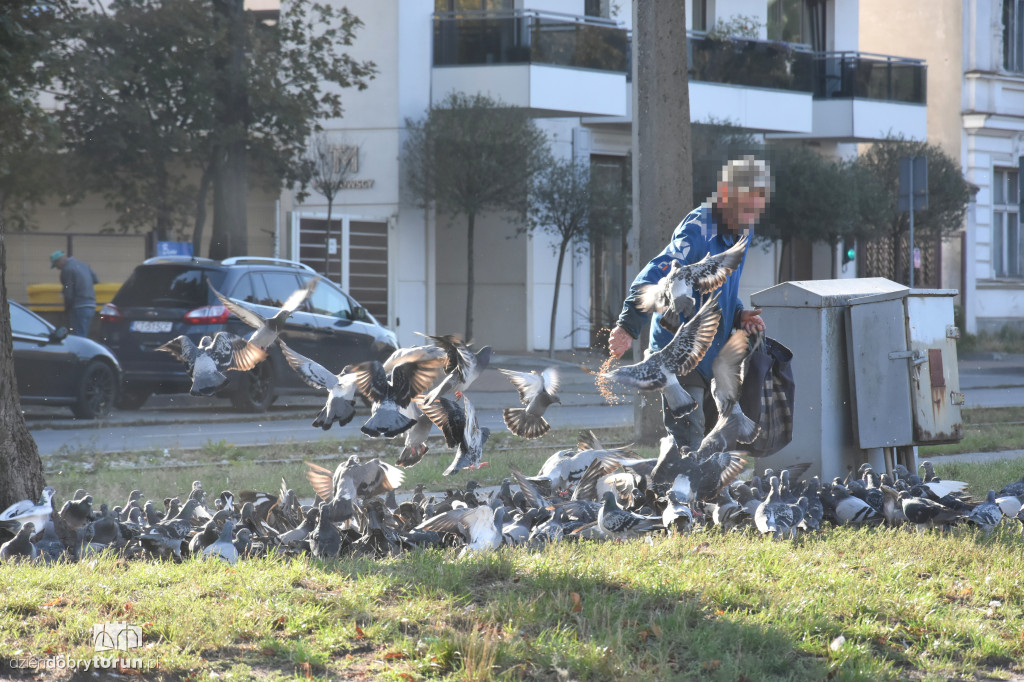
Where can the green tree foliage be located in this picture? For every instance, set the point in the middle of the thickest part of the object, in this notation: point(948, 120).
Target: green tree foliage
point(948, 194)
point(575, 207)
point(158, 93)
point(470, 155)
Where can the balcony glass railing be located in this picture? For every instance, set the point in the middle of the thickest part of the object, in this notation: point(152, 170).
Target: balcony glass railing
point(756, 63)
point(869, 76)
point(525, 36)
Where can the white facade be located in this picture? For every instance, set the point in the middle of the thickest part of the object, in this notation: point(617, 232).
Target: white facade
point(993, 144)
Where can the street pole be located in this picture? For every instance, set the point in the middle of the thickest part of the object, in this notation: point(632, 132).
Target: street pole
point(911, 247)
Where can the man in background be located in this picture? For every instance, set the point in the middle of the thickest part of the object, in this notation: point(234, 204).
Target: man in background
point(78, 280)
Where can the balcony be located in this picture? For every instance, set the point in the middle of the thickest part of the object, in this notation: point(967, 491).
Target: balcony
point(862, 97)
point(553, 64)
point(758, 85)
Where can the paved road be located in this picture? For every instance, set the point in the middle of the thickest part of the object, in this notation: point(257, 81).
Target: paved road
point(185, 422)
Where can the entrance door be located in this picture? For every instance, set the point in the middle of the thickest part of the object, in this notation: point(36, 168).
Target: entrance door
point(354, 253)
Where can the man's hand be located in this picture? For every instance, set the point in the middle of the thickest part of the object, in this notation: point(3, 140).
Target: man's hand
point(750, 320)
point(619, 342)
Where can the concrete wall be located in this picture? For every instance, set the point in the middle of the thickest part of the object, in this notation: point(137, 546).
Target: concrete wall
point(500, 297)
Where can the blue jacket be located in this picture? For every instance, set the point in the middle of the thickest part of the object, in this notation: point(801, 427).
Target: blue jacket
point(693, 239)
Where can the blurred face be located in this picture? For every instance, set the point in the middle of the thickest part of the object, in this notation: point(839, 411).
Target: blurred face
point(741, 208)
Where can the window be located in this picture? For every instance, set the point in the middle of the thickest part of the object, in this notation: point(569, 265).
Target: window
point(24, 322)
point(326, 300)
point(1006, 242)
point(249, 289)
point(1013, 35)
point(280, 285)
point(699, 14)
point(786, 21)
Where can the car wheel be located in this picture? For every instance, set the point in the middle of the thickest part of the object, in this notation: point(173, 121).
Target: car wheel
point(96, 392)
point(132, 398)
point(256, 391)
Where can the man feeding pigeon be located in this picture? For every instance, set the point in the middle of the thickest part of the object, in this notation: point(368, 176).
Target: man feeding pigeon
point(707, 251)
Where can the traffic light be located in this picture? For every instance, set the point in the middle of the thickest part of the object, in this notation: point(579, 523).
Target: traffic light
point(849, 250)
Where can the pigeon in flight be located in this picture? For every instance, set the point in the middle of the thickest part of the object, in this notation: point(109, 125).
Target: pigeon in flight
point(733, 426)
point(680, 356)
point(671, 295)
point(267, 330)
point(461, 431)
point(537, 392)
point(480, 527)
point(341, 388)
point(390, 395)
point(207, 362)
point(461, 366)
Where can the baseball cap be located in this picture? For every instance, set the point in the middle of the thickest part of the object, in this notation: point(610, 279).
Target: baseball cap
point(54, 257)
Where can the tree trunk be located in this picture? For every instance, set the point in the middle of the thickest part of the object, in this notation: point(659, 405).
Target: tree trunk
point(327, 245)
point(554, 300)
point(200, 224)
point(231, 183)
point(21, 469)
point(662, 171)
point(597, 321)
point(163, 210)
point(470, 274)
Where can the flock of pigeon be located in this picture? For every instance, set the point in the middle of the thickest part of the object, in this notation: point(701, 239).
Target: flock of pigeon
point(588, 492)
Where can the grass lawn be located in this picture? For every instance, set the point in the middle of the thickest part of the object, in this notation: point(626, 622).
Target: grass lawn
point(845, 604)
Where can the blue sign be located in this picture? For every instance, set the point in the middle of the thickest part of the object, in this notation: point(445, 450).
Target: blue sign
point(174, 248)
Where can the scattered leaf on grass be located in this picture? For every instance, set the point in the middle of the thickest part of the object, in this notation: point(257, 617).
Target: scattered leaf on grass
point(279, 622)
point(644, 634)
point(267, 651)
point(656, 630)
point(703, 548)
point(577, 602)
point(59, 601)
point(711, 666)
point(307, 669)
point(406, 676)
point(128, 607)
point(359, 633)
point(395, 654)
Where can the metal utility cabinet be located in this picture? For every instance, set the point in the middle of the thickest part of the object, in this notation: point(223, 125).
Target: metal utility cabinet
point(875, 369)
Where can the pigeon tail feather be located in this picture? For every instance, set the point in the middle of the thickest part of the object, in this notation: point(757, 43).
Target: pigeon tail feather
point(524, 424)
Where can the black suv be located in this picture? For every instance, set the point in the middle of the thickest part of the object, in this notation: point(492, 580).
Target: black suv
point(169, 296)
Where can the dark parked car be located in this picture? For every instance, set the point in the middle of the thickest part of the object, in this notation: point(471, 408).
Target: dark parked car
point(56, 369)
point(169, 296)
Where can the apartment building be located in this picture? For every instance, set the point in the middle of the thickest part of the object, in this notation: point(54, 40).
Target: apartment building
point(803, 76)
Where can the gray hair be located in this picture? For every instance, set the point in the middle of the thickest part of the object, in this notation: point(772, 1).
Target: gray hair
point(747, 173)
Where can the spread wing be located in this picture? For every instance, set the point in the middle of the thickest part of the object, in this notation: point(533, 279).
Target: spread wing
point(727, 368)
point(529, 384)
point(182, 348)
point(711, 271)
point(250, 317)
point(231, 351)
point(313, 373)
point(446, 415)
point(371, 380)
point(693, 339)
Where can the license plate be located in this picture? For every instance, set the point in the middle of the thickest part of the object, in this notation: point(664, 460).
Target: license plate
point(151, 326)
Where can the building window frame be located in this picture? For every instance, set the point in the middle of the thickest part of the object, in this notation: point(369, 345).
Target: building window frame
point(1013, 36)
point(1007, 251)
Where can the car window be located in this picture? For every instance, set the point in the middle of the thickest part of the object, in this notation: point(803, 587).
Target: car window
point(279, 286)
point(24, 322)
point(326, 300)
point(249, 289)
point(168, 285)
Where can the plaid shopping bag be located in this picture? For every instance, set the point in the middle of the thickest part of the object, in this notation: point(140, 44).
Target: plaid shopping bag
point(767, 396)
